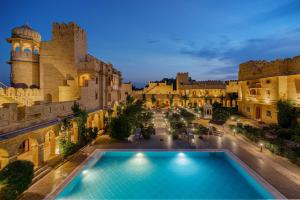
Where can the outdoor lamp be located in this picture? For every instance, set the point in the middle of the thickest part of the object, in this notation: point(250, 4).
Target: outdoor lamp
point(261, 146)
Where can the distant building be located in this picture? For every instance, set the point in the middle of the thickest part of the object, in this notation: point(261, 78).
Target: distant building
point(188, 92)
point(262, 84)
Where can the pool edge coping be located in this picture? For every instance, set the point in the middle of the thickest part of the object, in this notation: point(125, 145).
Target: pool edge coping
point(264, 183)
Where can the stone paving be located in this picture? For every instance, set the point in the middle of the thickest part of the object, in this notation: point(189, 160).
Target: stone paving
point(279, 172)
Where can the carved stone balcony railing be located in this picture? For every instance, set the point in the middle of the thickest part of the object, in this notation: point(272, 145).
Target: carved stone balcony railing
point(24, 56)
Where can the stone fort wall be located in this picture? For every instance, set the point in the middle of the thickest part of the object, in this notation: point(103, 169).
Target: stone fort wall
point(261, 69)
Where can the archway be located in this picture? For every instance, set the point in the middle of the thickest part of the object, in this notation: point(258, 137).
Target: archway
point(83, 79)
point(96, 121)
point(29, 150)
point(50, 145)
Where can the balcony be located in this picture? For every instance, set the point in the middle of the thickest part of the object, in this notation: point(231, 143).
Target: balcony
point(24, 56)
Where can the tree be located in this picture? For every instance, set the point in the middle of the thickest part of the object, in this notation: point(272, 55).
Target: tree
point(119, 127)
point(147, 132)
point(287, 114)
point(220, 114)
point(201, 130)
point(189, 117)
point(129, 99)
point(67, 147)
point(81, 118)
point(15, 178)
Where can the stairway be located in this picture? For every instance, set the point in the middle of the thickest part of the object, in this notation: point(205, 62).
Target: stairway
point(40, 173)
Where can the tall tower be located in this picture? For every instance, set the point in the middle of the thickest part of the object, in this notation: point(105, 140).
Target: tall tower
point(24, 59)
point(182, 79)
point(60, 60)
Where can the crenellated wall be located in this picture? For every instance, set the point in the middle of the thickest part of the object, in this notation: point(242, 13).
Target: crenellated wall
point(262, 84)
point(19, 95)
point(13, 117)
point(261, 69)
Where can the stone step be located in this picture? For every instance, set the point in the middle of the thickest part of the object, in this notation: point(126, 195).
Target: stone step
point(41, 172)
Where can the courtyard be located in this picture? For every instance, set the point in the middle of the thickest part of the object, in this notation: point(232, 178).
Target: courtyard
point(279, 172)
point(150, 99)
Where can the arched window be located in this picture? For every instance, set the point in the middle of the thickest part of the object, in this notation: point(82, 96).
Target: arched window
point(27, 50)
point(17, 49)
point(36, 51)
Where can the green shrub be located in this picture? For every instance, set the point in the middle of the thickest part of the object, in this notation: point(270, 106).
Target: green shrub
point(285, 133)
point(220, 114)
point(189, 117)
point(175, 136)
point(201, 130)
point(120, 128)
point(91, 133)
point(287, 114)
point(147, 132)
point(67, 147)
point(15, 178)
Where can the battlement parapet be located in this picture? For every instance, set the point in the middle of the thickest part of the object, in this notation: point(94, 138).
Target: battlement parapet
point(60, 30)
point(182, 73)
point(261, 68)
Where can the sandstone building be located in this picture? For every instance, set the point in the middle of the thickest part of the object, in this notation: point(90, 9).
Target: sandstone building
point(189, 92)
point(262, 84)
point(47, 77)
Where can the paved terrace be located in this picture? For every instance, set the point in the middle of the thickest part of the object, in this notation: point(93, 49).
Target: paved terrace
point(278, 171)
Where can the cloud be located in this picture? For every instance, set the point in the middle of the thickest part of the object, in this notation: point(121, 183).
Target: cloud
point(270, 47)
point(152, 41)
point(229, 54)
point(175, 38)
point(289, 9)
point(208, 53)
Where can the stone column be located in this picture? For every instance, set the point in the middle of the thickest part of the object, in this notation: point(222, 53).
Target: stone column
point(37, 152)
point(52, 144)
point(75, 132)
point(101, 120)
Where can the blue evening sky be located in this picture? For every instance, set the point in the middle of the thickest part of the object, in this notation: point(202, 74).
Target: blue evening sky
point(152, 39)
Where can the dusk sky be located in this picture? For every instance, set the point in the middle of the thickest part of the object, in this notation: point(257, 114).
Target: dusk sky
point(152, 39)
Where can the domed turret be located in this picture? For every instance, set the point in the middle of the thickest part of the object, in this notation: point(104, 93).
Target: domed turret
point(24, 59)
point(25, 32)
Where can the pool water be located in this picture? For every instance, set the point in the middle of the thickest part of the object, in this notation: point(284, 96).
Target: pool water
point(164, 175)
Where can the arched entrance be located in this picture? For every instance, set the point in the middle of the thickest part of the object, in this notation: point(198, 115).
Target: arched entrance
point(50, 145)
point(30, 150)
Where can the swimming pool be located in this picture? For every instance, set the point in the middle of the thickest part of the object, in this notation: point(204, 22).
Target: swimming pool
point(164, 175)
